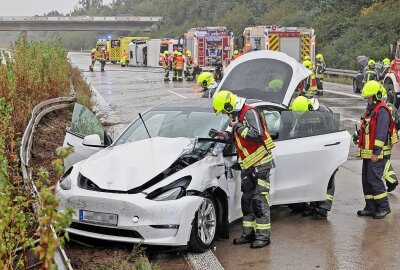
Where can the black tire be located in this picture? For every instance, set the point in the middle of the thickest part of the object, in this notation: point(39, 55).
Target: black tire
point(392, 96)
point(355, 87)
point(196, 244)
point(298, 207)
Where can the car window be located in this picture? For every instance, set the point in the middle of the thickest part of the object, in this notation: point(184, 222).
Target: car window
point(273, 120)
point(312, 123)
point(174, 124)
point(85, 123)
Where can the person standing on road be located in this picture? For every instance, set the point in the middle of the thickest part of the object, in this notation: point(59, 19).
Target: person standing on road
point(385, 69)
point(103, 58)
point(319, 73)
point(302, 105)
point(173, 65)
point(310, 83)
point(179, 65)
point(92, 59)
point(166, 65)
point(253, 144)
point(235, 54)
point(189, 66)
point(370, 73)
point(377, 135)
point(208, 84)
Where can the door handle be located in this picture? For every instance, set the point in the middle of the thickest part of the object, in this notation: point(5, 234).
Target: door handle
point(332, 144)
point(69, 144)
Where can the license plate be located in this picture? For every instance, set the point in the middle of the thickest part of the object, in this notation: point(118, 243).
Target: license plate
point(98, 218)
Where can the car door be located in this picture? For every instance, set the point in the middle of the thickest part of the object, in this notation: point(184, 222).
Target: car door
point(309, 148)
point(83, 123)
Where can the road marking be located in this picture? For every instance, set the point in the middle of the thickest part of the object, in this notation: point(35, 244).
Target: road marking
point(343, 94)
point(179, 95)
point(204, 261)
point(350, 119)
point(141, 79)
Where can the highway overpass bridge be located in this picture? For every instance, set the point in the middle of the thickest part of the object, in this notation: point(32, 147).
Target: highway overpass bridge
point(78, 23)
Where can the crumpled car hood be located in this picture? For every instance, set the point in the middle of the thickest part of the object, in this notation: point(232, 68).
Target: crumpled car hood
point(130, 165)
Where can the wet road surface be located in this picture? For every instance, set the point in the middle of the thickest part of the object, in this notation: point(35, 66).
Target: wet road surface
point(342, 241)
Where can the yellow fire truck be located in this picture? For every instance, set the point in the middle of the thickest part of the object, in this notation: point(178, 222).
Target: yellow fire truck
point(120, 45)
point(297, 42)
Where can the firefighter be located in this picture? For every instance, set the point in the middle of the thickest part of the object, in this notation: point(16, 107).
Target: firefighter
point(165, 62)
point(385, 69)
point(124, 59)
point(310, 83)
point(179, 64)
point(302, 105)
point(173, 65)
point(208, 84)
point(103, 59)
point(189, 66)
point(92, 59)
point(235, 54)
point(253, 144)
point(377, 135)
point(370, 73)
point(307, 58)
point(319, 73)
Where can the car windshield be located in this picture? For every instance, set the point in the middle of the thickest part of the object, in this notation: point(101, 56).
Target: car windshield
point(173, 124)
point(264, 79)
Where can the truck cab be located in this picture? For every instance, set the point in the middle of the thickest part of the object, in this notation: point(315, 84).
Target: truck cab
point(392, 79)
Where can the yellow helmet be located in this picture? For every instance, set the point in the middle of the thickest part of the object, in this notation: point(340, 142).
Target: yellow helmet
point(188, 52)
point(307, 58)
point(176, 52)
point(302, 104)
point(308, 64)
point(205, 79)
point(371, 62)
point(372, 88)
point(224, 101)
point(319, 57)
point(235, 52)
point(93, 50)
point(386, 61)
point(166, 52)
point(275, 84)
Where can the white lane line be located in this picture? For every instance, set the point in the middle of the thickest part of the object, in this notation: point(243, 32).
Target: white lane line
point(179, 95)
point(204, 261)
point(141, 79)
point(343, 94)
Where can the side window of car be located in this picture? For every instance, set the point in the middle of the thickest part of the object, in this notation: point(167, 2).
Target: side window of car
point(306, 124)
point(273, 120)
point(84, 123)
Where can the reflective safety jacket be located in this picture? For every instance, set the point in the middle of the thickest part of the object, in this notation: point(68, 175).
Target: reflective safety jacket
point(235, 56)
point(164, 61)
point(179, 62)
point(104, 56)
point(252, 152)
point(189, 61)
point(310, 85)
point(370, 75)
point(320, 69)
point(369, 143)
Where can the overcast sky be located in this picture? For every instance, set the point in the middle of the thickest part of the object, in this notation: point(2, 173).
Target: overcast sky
point(36, 7)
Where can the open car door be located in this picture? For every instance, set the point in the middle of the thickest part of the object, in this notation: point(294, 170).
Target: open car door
point(83, 123)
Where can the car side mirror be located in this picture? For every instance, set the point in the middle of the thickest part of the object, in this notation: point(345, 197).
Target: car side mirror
point(93, 141)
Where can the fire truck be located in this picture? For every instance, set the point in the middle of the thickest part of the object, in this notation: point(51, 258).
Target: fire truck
point(392, 78)
point(297, 42)
point(211, 48)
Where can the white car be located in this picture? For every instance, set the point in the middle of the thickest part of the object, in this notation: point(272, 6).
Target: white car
point(168, 183)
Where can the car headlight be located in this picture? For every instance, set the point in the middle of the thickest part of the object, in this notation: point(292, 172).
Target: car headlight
point(65, 182)
point(173, 191)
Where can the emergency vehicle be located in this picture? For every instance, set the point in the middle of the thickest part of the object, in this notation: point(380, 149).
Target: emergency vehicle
point(392, 78)
point(100, 45)
point(211, 48)
point(297, 42)
point(120, 45)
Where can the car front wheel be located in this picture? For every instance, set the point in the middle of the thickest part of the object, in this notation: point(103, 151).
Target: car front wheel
point(204, 226)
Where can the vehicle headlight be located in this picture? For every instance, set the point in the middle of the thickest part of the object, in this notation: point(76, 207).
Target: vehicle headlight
point(65, 182)
point(173, 191)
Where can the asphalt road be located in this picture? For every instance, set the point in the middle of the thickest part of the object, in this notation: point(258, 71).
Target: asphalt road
point(343, 241)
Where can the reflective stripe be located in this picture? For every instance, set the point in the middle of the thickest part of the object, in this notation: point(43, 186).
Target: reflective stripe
point(379, 143)
point(380, 196)
point(265, 226)
point(329, 197)
point(394, 138)
point(368, 197)
point(244, 132)
point(263, 183)
point(367, 154)
point(249, 224)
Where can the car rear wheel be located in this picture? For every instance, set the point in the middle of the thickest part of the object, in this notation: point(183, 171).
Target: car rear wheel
point(355, 87)
point(391, 95)
point(204, 226)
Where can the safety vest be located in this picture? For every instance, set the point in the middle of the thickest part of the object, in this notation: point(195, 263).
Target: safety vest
point(313, 86)
point(164, 61)
point(319, 71)
point(253, 153)
point(104, 55)
point(179, 62)
point(189, 61)
point(235, 56)
point(93, 56)
point(367, 139)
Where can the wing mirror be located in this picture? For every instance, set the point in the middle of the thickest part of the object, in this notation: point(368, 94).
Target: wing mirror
point(93, 141)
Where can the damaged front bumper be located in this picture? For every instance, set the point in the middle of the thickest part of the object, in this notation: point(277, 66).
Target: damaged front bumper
point(151, 222)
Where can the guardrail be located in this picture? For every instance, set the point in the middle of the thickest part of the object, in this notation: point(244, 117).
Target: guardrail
point(60, 257)
point(80, 19)
point(340, 72)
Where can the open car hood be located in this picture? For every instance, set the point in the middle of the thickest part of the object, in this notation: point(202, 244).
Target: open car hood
point(264, 75)
point(127, 166)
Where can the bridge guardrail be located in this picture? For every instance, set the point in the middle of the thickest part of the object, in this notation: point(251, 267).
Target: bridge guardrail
point(340, 72)
point(80, 18)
